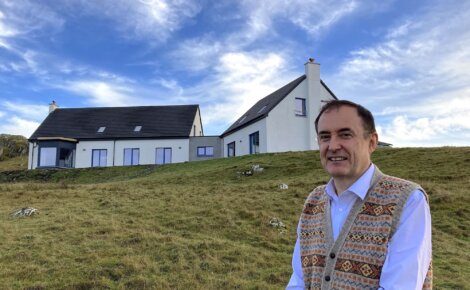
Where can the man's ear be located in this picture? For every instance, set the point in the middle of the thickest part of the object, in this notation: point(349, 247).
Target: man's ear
point(374, 141)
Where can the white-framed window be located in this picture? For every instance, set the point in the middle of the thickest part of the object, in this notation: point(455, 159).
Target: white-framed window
point(205, 151)
point(131, 156)
point(99, 157)
point(254, 143)
point(300, 107)
point(231, 149)
point(163, 155)
point(48, 156)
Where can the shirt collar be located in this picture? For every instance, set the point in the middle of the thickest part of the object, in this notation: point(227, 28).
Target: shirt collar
point(359, 188)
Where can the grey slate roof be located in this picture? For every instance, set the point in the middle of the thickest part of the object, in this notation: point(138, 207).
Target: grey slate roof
point(270, 101)
point(83, 123)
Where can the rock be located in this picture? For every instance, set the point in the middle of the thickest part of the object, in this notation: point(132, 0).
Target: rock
point(277, 223)
point(256, 168)
point(283, 186)
point(25, 211)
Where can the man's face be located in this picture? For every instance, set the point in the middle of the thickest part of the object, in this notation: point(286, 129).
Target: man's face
point(345, 148)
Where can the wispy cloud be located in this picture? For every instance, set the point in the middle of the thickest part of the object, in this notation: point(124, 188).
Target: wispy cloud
point(241, 79)
point(18, 126)
point(100, 93)
point(27, 111)
point(154, 20)
point(418, 78)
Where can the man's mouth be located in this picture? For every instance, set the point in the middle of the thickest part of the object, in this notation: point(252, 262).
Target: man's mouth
point(337, 158)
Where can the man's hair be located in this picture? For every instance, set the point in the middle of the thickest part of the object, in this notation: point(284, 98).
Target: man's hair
point(365, 115)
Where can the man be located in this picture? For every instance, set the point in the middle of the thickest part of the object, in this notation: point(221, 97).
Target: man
point(364, 229)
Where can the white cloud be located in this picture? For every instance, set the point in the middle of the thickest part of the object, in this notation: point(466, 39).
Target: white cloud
point(313, 16)
point(144, 19)
point(241, 79)
point(101, 93)
point(18, 126)
point(417, 80)
point(26, 111)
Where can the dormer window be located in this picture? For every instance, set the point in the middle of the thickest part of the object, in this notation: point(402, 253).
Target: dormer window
point(242, 119)
point(101, 129)
point(262, 109)
point(137, 128)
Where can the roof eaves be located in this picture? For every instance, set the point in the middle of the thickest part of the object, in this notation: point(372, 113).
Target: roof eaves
point(260, 117)
point(265, 114)
point(328, 89)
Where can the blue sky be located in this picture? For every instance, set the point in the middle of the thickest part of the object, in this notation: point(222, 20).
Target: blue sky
point(407, 61)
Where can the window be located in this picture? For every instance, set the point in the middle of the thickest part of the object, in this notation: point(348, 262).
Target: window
point(131, 156)
point(205, 151)
point(254, 143)
point(300, 108)
point(194, 130)
point(137, 128)
point(101, 129)
point(48, 156)
point(66, 157)
point(99, 157)
point(163, 156)
point(231, 149)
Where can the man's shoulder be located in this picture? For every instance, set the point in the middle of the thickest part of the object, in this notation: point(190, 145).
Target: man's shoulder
point(389, 180)
point(317, 193)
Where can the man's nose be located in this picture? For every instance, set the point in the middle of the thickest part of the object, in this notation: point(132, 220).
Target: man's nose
point(334, 144)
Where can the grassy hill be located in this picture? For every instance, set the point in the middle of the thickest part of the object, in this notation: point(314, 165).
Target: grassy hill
point(200, 225)
point(12, 146)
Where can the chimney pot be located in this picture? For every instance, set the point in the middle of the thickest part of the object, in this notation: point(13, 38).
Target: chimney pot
point(52, 106)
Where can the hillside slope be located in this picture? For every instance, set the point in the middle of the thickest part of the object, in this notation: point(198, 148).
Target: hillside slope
point(201, 225)
point(12, 146)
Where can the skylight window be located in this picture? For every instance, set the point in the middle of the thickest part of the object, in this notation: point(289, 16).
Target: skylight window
point(101, 129)
point(242, 119)
point(137, 128)
point(262, 109)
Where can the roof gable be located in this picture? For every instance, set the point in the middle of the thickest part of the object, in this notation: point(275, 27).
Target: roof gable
point(120, 122)
point(257, 112)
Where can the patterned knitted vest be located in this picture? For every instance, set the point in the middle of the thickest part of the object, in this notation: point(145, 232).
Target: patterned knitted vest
point(355, 259)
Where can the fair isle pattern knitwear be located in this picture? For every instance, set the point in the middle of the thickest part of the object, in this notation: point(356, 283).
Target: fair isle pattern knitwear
point(355, 259)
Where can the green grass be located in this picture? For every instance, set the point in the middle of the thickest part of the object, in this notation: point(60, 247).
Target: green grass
point(199, 225)
point(15, 163)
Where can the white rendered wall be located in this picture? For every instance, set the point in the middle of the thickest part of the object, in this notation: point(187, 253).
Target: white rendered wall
point(242, 139)
point(84, 149)
point(197, 124)
point(285, 130)
point(147, 152)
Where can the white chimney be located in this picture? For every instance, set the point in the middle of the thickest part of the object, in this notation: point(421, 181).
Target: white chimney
point(52, 106)
point(312, 71)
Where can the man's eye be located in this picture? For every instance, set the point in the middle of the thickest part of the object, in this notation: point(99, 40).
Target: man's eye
point(345, 135)
point(324, 137)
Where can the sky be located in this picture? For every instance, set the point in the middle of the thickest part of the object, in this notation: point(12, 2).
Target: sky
point(406, 61)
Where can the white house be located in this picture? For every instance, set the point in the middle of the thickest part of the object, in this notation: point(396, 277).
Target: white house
point(117, 136)
point(282, 121)
point(92, 137)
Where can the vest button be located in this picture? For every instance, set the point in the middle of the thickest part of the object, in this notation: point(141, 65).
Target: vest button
point(327, 278)
point(332, 255)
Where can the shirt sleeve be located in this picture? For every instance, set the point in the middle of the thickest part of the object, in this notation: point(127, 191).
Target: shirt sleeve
point(296, 281)
point(409, 250)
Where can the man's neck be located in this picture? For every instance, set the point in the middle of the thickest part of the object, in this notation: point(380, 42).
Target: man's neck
point(341, 185)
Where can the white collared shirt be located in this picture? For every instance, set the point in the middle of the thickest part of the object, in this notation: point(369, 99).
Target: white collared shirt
point(409, 251)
